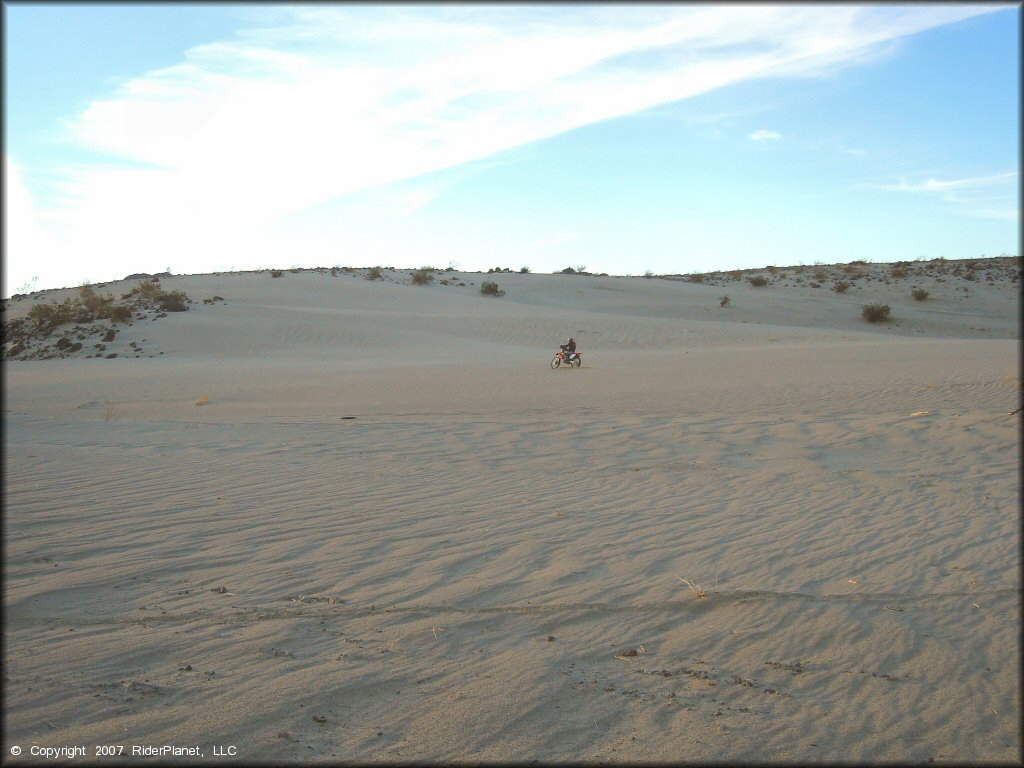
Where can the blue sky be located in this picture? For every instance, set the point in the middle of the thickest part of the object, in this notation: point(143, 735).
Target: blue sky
point(672, 138)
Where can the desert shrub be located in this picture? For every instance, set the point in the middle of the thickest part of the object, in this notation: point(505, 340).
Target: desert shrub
point(423, 276)
point(94, 306)
point(524, 270)
point(648, 274)
point(120, 314)
point(695, 278)
point(840, 287)
point(772, 269)
point(919, 293)
point(875, 313)
point(42, 314)
point(174, 301)
point(276, 273)
point(898, 270)
point(147, 289)
point(820, 274)
point(374, 274)
point(53, 314)
point(758, 281)
point(724, 301)
point(489, 288)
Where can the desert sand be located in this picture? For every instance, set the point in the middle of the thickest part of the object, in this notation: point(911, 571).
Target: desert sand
point(324, 518)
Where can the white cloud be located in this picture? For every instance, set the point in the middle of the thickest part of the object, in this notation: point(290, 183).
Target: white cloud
point(936, 185)
point(331, 100)
point(974, 194)
point(763, 135)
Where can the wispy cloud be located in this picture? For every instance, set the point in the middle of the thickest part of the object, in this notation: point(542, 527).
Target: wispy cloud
point(949, 185)
point(993, 196)
point(319, 102)
point(765, 135)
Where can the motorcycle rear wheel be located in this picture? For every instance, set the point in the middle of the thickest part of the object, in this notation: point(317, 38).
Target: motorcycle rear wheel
point(576, 362)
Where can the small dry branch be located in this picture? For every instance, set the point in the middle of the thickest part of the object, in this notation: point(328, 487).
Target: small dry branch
point(697, 591)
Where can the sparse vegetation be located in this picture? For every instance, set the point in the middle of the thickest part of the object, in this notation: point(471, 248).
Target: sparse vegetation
point(920, 294)
point(898, 270)
point(820, 274)
point(423, 276)
point(489, 288)
point(696, 278)
point(276, 273)
point(724, 301)
point(875, 313)
point(840, 287)
point(648, 274)
point(26, 338)
point(758, 281)
point(120, 314)
point(374, 273)
point(524, 270)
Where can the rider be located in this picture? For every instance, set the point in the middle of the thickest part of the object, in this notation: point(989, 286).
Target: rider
point(569, 347)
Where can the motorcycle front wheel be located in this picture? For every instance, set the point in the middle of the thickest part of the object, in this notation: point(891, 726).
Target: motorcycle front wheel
point(555, 362)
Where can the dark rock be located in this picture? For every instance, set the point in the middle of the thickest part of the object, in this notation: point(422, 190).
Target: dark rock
point(110, 335)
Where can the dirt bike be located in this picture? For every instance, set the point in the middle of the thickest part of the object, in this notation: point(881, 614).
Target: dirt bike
point(572, 359)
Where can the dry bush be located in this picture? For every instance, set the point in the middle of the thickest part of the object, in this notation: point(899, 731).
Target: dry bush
point(173, 301)
point(875, 313)
point(47, 316)
point(724, 301)
point(96, 305)
point(820, 274)
point(693, 278)
point(488, 288)
point(840, 287)
point(898, 270)
point(758, 281)
point(120, 314)
point(423, 276)
point(919, 293)
point(375, 274)
point(147, 289)
point(524, 270)
point(276, 273)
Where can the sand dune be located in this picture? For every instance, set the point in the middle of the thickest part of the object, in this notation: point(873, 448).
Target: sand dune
point(326, 518)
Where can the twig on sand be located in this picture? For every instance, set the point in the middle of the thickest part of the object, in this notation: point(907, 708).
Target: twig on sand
point(696, 590)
